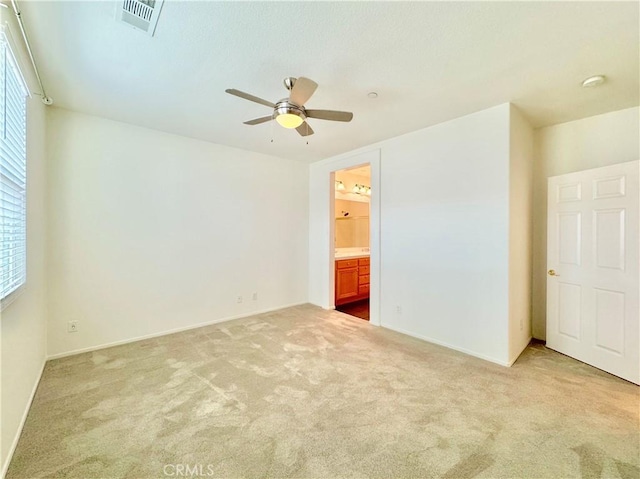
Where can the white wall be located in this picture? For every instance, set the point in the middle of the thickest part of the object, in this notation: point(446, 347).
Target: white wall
point(23, 322)
point(445, 210)
point(152, 232)
point(578, 145)
point(520, 232)
point(444, 233)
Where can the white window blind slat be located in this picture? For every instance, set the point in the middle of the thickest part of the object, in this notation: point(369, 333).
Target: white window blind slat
point(13, 173)
point(18, 257)
point(6, 167)
point(14, 235)
point(13, 184)
point(13, 130)
point(8, 195)
point(16, 252)
point(9, 201)
point(9, 277)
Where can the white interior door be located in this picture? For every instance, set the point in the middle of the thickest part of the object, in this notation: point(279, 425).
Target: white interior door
point(592, 263)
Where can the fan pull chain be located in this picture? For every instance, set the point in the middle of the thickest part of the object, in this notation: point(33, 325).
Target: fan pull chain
point(271, 130)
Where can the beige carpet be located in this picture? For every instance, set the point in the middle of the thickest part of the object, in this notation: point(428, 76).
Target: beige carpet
point(309, 393)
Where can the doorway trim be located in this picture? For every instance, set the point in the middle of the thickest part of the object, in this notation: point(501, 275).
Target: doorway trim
point(324, 223)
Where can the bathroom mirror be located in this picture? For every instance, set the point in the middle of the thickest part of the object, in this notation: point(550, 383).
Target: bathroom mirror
point(352, 232)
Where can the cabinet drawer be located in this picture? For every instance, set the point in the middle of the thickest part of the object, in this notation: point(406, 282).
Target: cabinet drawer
point(363, 269)
point(346, 263)
point(364, 279)
point(363, 261)
point(363, 289)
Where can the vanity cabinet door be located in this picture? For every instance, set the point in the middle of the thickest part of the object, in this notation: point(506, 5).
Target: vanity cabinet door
point(346, 283)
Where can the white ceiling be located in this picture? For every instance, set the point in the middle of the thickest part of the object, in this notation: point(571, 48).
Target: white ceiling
point(429, 62)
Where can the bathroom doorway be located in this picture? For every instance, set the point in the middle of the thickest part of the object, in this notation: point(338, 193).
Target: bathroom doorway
point(352, 241)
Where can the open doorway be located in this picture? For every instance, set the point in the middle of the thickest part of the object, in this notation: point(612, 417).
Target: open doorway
point(352, 236)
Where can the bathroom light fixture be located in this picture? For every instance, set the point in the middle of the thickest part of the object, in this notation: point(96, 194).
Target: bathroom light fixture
point(362, 190)
point(339, 185)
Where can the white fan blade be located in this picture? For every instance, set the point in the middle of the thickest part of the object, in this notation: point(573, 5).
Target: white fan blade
point(331, 115)
point(302, 90)
point(249, 97)
point(305, 129)
point(257, 121)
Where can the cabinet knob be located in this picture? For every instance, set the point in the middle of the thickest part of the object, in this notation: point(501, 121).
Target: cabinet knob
point(552, 272)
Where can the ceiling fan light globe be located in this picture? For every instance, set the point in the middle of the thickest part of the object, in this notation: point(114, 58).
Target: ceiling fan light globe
point(289, 120)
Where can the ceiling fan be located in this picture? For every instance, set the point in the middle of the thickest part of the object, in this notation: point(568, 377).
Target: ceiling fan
point(290, 112)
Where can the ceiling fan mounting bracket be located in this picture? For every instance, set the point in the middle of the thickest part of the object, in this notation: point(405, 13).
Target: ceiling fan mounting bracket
point(289, 82)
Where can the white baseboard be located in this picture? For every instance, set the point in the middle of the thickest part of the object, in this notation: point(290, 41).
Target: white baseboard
point(165, 333)
point(446, 345)
point(12, 449)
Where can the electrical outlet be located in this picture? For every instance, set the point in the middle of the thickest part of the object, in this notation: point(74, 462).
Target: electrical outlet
point(239, 299)
point(72, 327)
point(254, 297)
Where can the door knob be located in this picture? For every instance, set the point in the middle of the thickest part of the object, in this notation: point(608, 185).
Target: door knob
point(552, 272)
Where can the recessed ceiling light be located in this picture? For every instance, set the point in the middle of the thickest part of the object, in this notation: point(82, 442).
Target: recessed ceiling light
point(593, 81)
point(372, 94)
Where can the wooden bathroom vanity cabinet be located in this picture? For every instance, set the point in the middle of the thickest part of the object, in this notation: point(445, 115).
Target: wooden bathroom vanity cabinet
point(352, 280)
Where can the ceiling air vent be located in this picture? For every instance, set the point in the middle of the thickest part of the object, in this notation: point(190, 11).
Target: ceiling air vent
point(140, 14)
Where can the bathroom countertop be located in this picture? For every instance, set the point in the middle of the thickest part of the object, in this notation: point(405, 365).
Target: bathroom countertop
point(351, 254)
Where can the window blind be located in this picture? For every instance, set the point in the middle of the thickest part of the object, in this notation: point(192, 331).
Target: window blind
point(13, 173)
